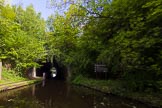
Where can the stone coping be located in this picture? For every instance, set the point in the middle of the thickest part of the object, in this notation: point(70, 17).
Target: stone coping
point(9, 86)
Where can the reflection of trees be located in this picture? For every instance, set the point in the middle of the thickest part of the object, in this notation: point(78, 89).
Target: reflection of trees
point(4, 96)
point(19, 98)
point(60, 95)
point(26, 103)
point(52, 95)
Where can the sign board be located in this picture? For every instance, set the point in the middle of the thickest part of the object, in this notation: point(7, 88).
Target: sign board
point(100, 68)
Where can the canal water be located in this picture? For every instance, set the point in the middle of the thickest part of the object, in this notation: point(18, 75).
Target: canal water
point(59, 94)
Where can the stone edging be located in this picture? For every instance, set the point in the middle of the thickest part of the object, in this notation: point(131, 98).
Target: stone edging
point(17, 85)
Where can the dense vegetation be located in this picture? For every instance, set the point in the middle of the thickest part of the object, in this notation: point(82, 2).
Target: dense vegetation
point(126, 35)
point(22, 35)
point(10, 76)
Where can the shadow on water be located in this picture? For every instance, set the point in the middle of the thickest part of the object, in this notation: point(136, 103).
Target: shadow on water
point(59, 94)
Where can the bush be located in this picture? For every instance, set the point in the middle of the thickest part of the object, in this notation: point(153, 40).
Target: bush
point(10, 76)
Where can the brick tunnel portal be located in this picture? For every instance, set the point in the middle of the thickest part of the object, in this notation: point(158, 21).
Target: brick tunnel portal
point(61, 71)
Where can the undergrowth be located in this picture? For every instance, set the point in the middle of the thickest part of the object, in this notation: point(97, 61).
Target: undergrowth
point(10, 76)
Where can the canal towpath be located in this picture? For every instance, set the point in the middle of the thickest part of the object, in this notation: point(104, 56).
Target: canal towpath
point(13, 85)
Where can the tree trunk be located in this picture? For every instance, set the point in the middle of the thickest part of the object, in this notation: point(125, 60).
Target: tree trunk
point(0, 70)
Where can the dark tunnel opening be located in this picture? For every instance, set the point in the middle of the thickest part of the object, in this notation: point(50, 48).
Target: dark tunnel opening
point(61, 73)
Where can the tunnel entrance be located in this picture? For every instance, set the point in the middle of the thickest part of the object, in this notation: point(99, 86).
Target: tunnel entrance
point(48, 67)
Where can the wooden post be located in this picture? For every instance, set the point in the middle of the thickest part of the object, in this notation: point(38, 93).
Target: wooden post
point(34, 72)
point(0, 70)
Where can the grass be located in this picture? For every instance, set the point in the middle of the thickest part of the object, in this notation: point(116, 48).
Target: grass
point(103, 85)
point(9, 76)
point(116, 87)
point(11, 80)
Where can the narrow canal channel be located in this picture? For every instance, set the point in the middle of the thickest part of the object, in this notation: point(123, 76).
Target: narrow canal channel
point(59, 94)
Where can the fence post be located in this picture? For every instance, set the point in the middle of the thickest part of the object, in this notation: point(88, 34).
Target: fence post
point(0, 70)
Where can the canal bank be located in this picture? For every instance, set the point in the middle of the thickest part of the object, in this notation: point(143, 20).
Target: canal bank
point(12, 79)
point(114, 88)
point(13, 85)
point(61, 94)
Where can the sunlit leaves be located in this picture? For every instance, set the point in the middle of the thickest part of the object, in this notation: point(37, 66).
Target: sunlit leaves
point(21, 37)
point(126, 35)
point(64, 37)
point(8, 13)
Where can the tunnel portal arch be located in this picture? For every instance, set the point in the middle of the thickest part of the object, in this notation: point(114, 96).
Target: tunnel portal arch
point(61, 70)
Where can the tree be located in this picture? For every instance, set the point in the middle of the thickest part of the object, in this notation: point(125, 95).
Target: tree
point(22, 44)
point(127, 42)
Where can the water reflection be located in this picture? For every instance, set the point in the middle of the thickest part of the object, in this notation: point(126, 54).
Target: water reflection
point(33, 90)
point(43, 83)
point(56, 94)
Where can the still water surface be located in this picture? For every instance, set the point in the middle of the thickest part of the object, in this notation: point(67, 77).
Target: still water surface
point(59, 94)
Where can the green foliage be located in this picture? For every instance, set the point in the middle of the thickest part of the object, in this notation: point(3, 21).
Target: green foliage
point(22, 39)
point(62, 42)
point(10, 76)
point(123, 34)
point(107, 86)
